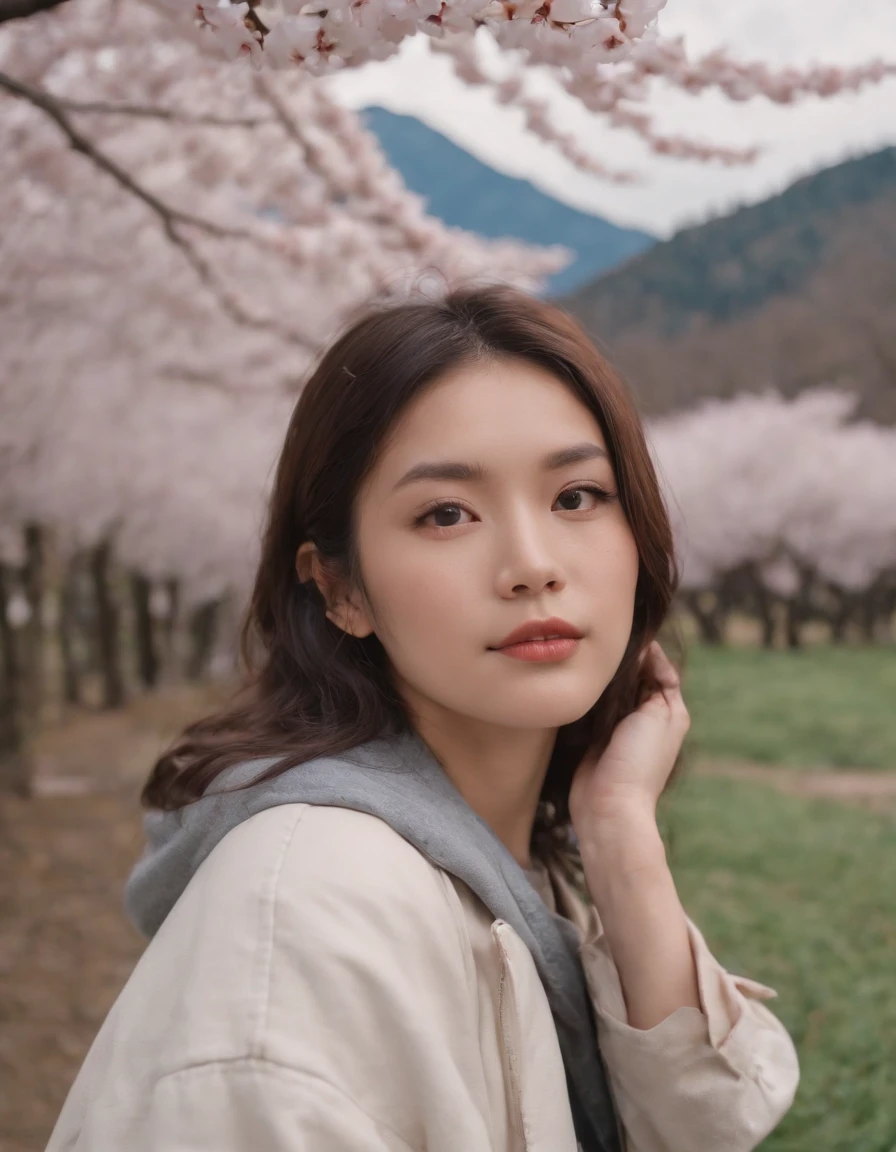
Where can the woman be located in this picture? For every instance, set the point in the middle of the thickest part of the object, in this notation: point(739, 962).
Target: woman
point(409, 892)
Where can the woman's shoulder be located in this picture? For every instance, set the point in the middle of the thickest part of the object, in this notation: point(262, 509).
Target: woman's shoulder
point(312, 940)
point(305, 914)
point(329, 868)
point(367, 938)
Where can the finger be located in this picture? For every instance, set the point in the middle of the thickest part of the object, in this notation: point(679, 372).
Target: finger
point(679, 709)
point(668, 700)
point(669, 706)
point(663, 669)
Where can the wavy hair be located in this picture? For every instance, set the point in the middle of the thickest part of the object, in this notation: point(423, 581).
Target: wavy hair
point(309, 689)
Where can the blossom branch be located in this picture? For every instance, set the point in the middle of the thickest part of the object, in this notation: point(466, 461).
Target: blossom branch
point(171, 219)
point(465, 62)
point(511, 91)
point(741, 81)
point(174, 115)
point(316, 160)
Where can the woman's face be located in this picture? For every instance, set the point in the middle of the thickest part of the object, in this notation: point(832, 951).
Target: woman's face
point(453, 563)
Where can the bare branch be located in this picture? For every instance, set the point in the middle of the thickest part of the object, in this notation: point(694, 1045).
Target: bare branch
point(150, 113)
point(22, 9)
point(170, 218)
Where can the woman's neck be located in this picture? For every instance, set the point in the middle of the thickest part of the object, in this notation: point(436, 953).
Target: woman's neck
point(498, 771)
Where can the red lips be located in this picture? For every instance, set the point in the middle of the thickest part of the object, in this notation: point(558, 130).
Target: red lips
point(539, 630)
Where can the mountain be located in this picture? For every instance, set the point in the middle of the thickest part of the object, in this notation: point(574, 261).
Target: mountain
point(465, 193)
point(796, 291)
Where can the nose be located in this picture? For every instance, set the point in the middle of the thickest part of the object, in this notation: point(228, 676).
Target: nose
point(527, 562)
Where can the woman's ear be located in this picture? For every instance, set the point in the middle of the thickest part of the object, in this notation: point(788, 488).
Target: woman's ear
point(343, 608)
point(306, 553)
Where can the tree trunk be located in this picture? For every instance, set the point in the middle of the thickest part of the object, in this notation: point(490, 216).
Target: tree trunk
point(33, 649)
point(203, 631)
point(799, 609)
point(840, 620)
point(170, 646)
point(107, 627)
point(866, 617)
point(889, 611)
point(877, 619)
point(708, 620)
point(792, 621)
point(147, 657)
point(763, 603)
point(14, 769)
point(68, 617)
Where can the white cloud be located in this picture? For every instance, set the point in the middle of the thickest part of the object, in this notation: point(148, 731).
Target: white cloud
point(795, 140)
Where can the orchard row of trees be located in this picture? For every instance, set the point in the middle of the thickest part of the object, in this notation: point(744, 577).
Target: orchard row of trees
point(783, 511)
point(85, 631)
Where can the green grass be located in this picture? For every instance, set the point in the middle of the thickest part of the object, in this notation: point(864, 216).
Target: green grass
point(821, 706)
point(800, 894)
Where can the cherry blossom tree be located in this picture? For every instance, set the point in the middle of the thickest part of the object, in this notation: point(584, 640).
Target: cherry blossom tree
point(782, 503)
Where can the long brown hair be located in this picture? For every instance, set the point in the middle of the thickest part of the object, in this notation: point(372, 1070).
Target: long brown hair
point(311, 689)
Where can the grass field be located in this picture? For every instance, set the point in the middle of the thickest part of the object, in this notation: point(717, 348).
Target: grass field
point(820, 706)
point(800, 894)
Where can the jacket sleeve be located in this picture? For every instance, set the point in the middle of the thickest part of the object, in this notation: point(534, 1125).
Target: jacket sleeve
point(249, 1104)
point(720, 1078)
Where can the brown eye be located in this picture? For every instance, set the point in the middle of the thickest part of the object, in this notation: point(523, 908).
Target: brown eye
point(578, 503)
point(449, 513)
point(446, 516)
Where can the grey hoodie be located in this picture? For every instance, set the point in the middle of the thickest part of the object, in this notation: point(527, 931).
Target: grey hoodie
point(399, 780)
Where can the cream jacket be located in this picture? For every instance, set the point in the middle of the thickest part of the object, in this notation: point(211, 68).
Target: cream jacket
point(320, 986)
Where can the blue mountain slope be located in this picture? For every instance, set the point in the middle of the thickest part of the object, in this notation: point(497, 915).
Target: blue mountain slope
point(465, 193)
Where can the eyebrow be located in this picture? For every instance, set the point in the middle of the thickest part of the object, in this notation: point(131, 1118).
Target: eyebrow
point(457, 470)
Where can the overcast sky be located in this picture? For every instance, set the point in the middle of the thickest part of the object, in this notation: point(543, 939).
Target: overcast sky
point(795, 140)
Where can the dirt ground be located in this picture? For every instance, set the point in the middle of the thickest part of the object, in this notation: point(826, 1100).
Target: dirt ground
point(66, 948)
point(868, 789)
